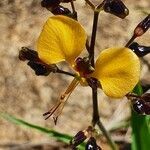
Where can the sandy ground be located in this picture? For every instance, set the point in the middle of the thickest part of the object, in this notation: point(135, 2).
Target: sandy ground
point(28, 96)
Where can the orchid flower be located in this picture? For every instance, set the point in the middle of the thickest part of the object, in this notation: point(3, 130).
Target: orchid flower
point(63, 39)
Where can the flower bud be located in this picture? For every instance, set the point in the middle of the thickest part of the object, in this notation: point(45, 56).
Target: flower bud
point(66, 1)
point(50, 3)
point(147, 108)
point(142, 27)
point(146, 97)
point(60, 10)
point(139, 50)
point(92, 145)
point(39, 68)
point(116, 7)
point(27, 54)
point(35, 62)
point(140, 104)
point(78, 139)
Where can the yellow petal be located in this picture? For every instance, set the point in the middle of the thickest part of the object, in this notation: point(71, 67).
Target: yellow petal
point(118, 70)
point(62, 38)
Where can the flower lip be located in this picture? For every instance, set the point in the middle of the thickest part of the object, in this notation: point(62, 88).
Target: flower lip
point(83, 66)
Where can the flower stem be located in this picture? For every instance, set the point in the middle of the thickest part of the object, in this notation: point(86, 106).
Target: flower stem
point(95, 118)
point(94, 29)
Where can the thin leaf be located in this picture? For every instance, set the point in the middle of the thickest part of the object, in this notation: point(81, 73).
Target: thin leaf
point(52, 133)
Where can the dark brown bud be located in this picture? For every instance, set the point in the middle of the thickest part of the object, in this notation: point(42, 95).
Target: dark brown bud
point(39, 68)
point(60, 10)
point(147, 108)
point(92, 145)
point(28, 54)
point(140, 104)
point(116, 7)
point(146, 97)
point(66, 1)
point(50, 3)
point(42, 69)
point(35, 62)
point(142, 27)
point(78, 139)
point(140, 50)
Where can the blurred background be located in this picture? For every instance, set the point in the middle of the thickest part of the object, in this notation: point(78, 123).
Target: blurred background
point(27, 96)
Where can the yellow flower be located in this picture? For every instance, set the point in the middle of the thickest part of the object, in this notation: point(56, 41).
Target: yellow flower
point(63, 39)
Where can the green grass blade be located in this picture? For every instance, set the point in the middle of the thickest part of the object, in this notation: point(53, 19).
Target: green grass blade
point(52, 133)
point(140, 127)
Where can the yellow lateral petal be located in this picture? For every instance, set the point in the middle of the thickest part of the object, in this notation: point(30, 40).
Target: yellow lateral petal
point(62, 38)
point(118, 70)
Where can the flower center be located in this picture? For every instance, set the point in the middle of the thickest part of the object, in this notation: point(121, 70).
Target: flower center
point(83, 66)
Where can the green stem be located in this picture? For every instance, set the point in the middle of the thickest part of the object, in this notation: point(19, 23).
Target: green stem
point(94, 29)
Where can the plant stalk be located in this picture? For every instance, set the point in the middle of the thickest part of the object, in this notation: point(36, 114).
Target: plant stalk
point(96, 118)
point(92, 45)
